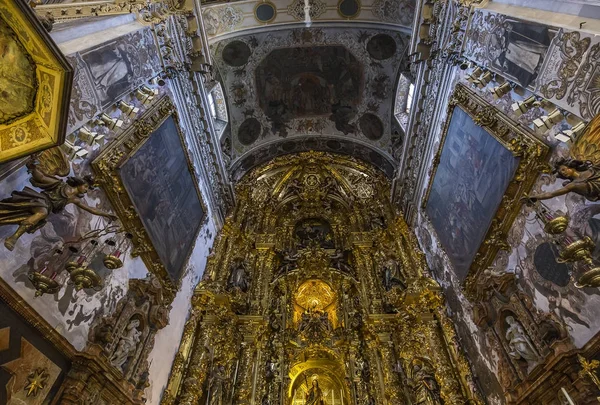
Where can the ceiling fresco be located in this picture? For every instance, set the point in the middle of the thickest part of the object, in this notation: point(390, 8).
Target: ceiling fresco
point(223, 19)
point(320, 82)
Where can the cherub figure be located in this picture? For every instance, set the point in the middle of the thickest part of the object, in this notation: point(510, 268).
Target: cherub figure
point(581, 169)
point(30, 208)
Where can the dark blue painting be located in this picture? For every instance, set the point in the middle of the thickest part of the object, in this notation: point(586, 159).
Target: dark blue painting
point(470, 181)
point(164, 193)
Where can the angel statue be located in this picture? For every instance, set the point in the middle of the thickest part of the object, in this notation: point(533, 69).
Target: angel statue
point(30, 208)
point(581, 170)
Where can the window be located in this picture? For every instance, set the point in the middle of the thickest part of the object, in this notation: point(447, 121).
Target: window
point(404, 101)
point(211, 106)
point(409, 98)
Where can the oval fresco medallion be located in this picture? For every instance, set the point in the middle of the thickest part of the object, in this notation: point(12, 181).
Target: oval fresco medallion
point(333, 144)
point(349, 8)
point(236, 53)
point(265, 12)
point(249, 131)
point(548, 267)
point(18, 82)
point(289, 146)
point(371, 126)
point(381, 47)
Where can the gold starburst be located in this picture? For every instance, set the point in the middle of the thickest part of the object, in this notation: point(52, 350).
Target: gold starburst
point(36, 381)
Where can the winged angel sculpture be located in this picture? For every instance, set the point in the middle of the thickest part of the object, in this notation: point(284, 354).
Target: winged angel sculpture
point(30, 208)
point(582, 169)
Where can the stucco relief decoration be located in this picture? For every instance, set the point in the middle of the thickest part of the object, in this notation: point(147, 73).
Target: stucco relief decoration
point(127, 336)
point(394, 11)
point(572, 78)
point(316, 8)
point(309, 82)
point(35, 79)
point(220, 19)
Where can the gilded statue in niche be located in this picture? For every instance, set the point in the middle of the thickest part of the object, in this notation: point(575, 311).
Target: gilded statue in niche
point(18, 81)
point(392, 276)
point(216, 385)
point(30, 208)
point(238, 278)
point(426, 390)
point(581, 170)
point(314, 396)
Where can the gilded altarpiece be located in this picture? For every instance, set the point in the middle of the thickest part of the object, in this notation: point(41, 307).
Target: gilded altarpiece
point(317, 293)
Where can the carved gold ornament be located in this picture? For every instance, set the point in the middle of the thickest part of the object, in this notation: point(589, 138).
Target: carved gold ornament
point(36, 381)
point(35, 79)
point(320, 241)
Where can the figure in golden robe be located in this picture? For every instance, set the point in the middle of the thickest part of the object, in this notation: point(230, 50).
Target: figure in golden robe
point(581, 169)
point(583, 178)
point(314, 396)
point(30, 208)
point(425, 387)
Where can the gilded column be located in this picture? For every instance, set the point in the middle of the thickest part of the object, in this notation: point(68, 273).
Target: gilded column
point(181, 359)
point(197, 369)
point(391, 380)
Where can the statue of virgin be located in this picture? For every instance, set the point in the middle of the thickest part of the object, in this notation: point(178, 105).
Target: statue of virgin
point(314, 396)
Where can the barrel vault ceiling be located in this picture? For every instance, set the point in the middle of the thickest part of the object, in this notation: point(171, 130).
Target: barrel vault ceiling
point(309, 78)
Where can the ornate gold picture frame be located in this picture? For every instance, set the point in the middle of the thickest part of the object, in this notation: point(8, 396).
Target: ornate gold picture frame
point(478, 140)
point(164, 219)
point(36, 83)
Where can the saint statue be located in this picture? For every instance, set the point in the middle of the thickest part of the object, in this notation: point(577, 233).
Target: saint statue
point(127, 344)
point(289, 262)
point(239, 276)
point(583, 178)
point(216, 382)
point(314, 396)
point(339, 261)
point(392, 276)
point(425, 387)
point(519, 343)
point(30, 208)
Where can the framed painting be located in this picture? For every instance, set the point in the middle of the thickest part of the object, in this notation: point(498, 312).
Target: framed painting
point(513, 47)
point(485, 165)
point(150, 181)
point(36, 80)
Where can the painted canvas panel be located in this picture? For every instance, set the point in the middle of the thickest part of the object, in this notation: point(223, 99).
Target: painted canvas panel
point(159, 182)
point(473, 174)
point(512, 47)
point(105, 73)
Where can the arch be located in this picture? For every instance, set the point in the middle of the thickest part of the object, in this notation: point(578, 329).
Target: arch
point(322, 362)
point(267, 152)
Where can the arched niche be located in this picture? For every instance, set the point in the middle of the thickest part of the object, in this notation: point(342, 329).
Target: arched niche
point(324, 365)
point(314, 297)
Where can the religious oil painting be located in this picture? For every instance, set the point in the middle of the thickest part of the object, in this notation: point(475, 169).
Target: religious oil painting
point(470, 181)
point(17, 77)
point(513, 47)
point(164, 192)
point(111, 69)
